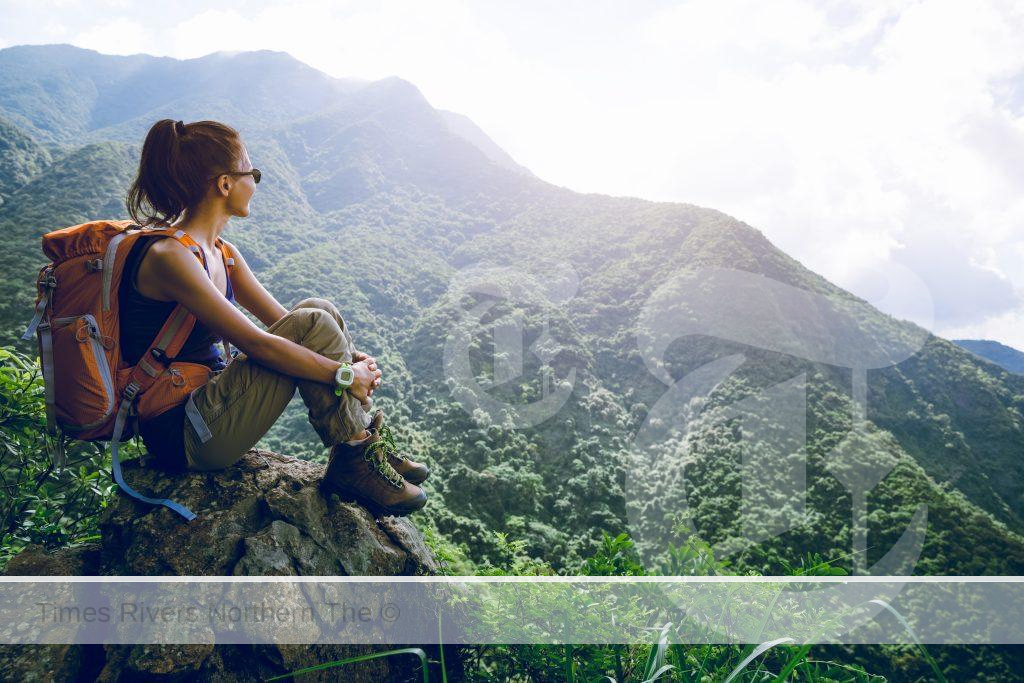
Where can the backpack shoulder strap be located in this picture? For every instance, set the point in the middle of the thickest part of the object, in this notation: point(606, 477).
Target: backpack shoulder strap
point(152, 364)
point(169, 339)
point(178, 326)
point(227, 255)
point(226, 251)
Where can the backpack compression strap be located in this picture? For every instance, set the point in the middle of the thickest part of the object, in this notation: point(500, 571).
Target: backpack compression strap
point(46, 283)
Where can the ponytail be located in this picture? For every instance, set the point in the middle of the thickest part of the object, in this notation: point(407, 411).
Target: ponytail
point(177, 163)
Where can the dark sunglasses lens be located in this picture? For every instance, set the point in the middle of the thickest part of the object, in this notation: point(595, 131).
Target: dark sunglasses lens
point(256, 175)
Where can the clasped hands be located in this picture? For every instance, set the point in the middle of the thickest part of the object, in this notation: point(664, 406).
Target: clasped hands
point(367, 376)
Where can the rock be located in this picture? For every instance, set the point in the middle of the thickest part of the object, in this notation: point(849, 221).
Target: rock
point(263, 516)
point(35, 561)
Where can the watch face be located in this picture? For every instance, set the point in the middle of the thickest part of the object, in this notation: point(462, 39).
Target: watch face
point(345, 375)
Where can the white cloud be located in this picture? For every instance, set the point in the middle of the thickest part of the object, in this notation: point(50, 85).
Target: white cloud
point(120, 36)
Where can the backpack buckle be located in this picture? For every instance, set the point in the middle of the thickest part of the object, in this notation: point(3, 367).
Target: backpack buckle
point(94, 264)
point(131, 391)
point(48, 279)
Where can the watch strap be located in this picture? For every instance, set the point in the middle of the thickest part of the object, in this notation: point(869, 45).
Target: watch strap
point(343, 378)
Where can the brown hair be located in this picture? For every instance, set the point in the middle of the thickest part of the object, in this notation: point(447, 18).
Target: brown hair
point(178, 161)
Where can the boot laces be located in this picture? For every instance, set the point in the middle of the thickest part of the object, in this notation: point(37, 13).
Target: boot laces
point(376, 455)
point(388, 439)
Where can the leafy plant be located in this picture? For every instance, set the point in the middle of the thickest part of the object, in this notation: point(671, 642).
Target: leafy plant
point(38, 504)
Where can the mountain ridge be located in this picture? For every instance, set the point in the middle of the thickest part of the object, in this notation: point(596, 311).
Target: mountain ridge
point(1001, 354)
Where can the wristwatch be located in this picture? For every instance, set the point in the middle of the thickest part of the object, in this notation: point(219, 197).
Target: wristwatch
point(343, 378)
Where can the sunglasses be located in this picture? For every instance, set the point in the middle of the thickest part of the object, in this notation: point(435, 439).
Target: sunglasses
point(255, 173)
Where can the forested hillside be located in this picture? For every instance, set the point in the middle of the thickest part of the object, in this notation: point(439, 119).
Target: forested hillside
point(379, 202)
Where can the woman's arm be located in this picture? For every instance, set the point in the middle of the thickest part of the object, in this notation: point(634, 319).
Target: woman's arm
point(178, 275)
point(255, 298)
point(251, 293)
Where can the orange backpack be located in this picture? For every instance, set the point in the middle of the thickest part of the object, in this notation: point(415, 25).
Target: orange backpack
point(91, 393)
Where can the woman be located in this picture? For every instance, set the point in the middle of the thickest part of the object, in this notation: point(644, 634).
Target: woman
point(195, 177)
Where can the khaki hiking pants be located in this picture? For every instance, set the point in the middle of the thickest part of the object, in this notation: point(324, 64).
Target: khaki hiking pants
point(231, 412)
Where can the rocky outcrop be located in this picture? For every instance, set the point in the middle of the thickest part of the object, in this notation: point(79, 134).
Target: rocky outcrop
point(264, 516)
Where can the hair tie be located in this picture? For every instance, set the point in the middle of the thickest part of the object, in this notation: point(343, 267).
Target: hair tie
point(179, 127)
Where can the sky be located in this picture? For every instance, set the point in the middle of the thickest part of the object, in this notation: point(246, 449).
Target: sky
point(881, 144)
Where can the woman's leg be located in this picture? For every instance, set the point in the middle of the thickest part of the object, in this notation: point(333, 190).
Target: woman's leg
point(235, 408)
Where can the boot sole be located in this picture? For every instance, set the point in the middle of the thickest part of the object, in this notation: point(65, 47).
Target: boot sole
point(375, 508)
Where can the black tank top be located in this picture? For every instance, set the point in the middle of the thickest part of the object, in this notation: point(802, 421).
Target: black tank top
point(147, 316)
point(162, 435)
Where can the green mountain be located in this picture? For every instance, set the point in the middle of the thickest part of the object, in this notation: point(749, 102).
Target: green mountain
point(376, 200)
point(21, 158)
point(1005, 356)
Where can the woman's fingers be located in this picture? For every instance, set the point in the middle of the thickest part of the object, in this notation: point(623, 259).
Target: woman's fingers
point(359, 356)
point(366, 380)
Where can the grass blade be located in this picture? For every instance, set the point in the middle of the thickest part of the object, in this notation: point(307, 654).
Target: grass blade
point(362, 658)
point(792, 663)
point(763, 647)
point(927, 655)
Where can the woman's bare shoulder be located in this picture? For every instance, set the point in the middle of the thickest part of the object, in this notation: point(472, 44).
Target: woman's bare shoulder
point(161, 256)
point(163, 259)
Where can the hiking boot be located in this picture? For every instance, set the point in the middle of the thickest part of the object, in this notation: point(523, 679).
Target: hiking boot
point(361, 471)
point(412, 471)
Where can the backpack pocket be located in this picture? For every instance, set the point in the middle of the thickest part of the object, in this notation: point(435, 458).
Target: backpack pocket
point(171, 388)
point(83, 385)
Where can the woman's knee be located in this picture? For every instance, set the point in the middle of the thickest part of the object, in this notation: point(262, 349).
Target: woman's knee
point(301, 319)
point(317, 303)
point(314, 328)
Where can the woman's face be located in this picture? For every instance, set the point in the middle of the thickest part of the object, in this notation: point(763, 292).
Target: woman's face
point(242, 187)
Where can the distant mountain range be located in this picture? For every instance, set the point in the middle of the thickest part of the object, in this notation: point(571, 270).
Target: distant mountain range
point(1006, 356)
point(379, 202)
